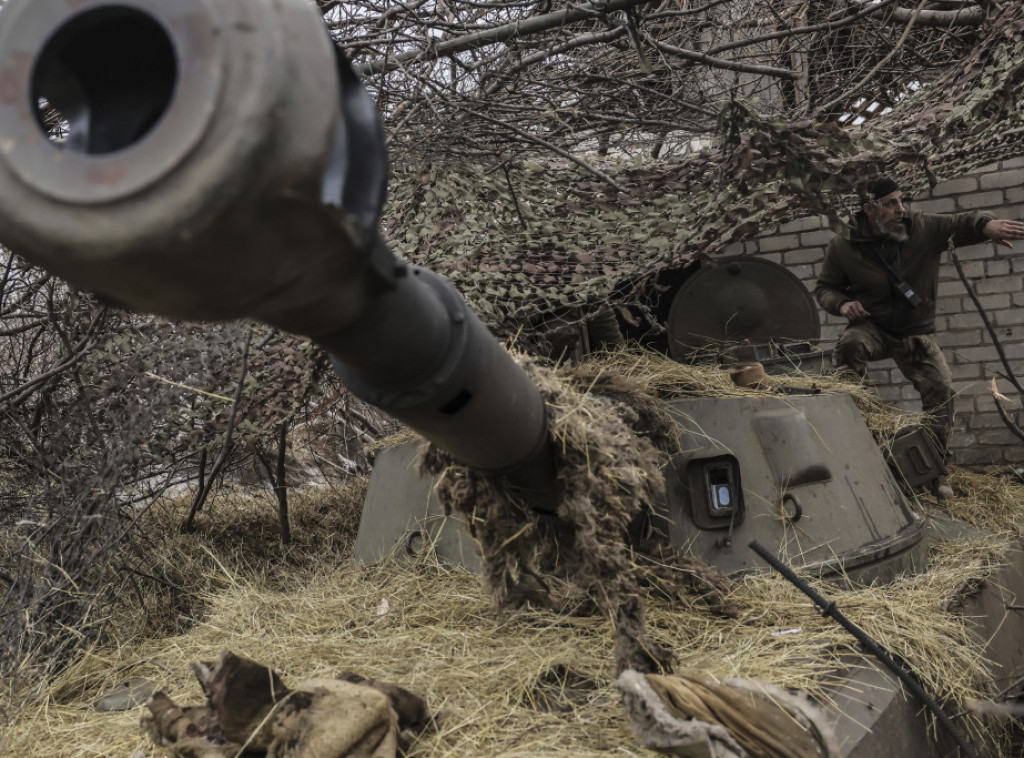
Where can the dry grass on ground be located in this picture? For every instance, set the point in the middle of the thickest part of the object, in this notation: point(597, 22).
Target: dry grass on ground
point(528, 684)
point(524, 684)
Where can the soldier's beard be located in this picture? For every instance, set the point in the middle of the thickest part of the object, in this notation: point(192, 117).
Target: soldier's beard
point(897, 233)
point(894, 230)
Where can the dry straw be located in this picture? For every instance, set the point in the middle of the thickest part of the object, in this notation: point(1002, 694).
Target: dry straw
point(522, 683)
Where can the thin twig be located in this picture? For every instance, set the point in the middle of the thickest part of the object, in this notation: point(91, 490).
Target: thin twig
point(512, 192)
point(550, 146)
point(79, 351)
point(1010, 375)
point(188, 387)
point(724, 63)
point(226, 447)
point(877, 67)
point(1005, 414)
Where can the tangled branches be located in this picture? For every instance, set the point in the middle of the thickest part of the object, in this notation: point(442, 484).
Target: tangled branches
point(492, 81)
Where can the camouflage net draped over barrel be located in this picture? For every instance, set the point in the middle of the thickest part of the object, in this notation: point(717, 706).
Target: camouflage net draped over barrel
point(610, 439)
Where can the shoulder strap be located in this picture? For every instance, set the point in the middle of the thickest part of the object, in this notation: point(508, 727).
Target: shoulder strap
point(898, 282)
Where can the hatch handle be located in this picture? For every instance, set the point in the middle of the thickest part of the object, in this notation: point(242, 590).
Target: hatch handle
point(798, 509)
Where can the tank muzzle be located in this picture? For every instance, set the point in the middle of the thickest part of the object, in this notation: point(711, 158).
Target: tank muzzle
point(199, 159)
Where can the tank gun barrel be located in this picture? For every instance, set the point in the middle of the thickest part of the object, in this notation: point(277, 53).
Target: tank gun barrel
point(214, 160)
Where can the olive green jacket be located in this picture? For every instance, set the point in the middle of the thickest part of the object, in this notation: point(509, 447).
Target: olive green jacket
point(851, 269)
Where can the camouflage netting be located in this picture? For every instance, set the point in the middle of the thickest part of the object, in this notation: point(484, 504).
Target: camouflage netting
point(528, 238)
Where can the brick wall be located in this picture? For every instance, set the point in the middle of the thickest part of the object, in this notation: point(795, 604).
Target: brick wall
point(997, 274)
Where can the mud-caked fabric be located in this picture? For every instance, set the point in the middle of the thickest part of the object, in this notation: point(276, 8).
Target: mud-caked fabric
point(920, 360)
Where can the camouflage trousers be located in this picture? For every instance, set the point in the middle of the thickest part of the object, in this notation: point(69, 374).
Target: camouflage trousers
point(918, 358)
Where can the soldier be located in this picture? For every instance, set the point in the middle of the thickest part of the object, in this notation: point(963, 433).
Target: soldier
point(884, 281)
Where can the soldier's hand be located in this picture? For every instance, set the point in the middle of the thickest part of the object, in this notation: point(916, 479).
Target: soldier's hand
point(1003, 230)
point(852, 310)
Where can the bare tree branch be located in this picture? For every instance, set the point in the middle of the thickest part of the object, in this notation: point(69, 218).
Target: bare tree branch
point(867, 77)
point(77, 352)
point(1004, 414)
point(827, 26)
point(1010, 375)
point(554, 148)
point(725, 64)
point(503, 33)
point(204, 491)
point(967, 16)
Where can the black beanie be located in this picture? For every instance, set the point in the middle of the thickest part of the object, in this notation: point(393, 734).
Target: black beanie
point(881, 187)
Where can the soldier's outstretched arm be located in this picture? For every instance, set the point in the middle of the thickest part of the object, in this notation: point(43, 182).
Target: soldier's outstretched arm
point(1004, 231)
